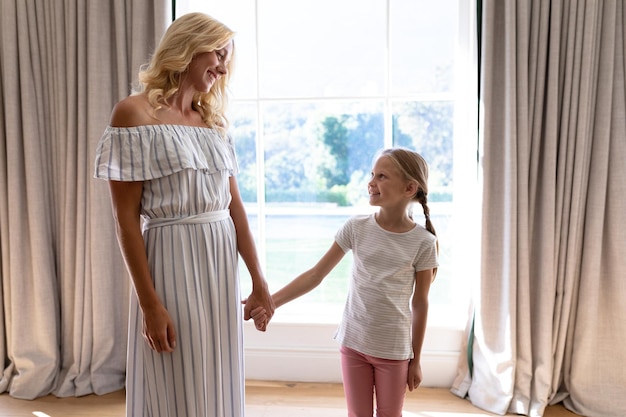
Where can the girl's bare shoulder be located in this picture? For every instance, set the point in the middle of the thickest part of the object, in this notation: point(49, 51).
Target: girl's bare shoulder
point(134, 110)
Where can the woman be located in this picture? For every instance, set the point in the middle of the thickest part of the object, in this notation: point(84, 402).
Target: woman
point(180, 224)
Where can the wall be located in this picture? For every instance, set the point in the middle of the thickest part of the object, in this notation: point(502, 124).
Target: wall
point(308, 353)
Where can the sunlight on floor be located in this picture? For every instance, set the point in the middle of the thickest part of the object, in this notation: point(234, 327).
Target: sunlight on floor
point(40, 414)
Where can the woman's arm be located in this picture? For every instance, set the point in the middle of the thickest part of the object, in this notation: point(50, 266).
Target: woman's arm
point(260, 296)
point(158, 328)
point(419, 307)
point(310, 279)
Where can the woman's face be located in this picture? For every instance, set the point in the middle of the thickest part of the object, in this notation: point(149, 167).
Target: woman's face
point(207, 67)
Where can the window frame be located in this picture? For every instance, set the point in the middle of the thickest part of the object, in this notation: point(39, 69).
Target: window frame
point(285, 351)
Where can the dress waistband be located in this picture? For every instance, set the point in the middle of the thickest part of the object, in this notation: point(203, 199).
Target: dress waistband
point(208, 217)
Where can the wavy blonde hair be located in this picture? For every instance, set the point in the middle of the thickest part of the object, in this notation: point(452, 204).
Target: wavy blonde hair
point(187, 36)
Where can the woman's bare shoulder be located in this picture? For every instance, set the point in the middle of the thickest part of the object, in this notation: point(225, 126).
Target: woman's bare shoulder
point(134, 110)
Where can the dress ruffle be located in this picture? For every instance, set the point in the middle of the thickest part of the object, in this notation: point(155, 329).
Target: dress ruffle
point(154, 151)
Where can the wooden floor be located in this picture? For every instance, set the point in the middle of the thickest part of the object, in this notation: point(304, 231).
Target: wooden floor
point(263, 399)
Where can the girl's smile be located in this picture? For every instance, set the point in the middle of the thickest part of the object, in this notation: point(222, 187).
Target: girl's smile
point(387, 185)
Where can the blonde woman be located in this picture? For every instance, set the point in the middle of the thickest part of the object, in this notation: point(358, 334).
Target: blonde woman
point(181, 225)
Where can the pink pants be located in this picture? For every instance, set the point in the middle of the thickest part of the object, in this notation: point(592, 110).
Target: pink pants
point(364, 375)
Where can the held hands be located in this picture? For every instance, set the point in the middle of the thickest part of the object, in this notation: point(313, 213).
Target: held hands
point(259, 316)
point(259, 306)
point(158, 329)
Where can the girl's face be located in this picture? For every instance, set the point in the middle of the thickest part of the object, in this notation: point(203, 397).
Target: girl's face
point(387, 187)
point(207, 67)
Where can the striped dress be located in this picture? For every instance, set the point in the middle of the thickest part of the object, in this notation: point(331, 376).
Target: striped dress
point(192, 253)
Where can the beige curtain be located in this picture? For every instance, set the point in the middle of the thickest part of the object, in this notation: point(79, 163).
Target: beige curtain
point(64, 290)
point(550, 311)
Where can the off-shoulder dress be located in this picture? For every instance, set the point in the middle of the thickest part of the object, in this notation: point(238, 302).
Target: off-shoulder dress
point(192, 253)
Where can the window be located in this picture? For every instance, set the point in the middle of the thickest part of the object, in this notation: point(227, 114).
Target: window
point(319, 87)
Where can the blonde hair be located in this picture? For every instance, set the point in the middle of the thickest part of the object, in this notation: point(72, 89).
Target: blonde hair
point(414, 168)
point(187, 36)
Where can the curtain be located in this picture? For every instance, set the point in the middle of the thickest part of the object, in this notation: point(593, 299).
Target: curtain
point(549, 314)
point(64, 292)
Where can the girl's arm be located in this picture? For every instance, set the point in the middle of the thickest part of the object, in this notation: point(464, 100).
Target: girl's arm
point(419, 306)
point(260, 296)
point(310, 279)
point(158, 328)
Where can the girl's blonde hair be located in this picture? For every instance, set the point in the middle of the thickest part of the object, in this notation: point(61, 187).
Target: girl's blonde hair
point(414, 168)
point(187, 36)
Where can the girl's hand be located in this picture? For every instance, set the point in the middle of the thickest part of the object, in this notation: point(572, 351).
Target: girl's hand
point(158, 329)
point(259, 298)
point(414, 378)
point(258, 315)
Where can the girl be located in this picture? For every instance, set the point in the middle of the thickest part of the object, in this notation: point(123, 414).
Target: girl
point(395, 261)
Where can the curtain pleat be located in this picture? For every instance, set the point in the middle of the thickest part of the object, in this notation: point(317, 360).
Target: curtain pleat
point(549, 313)
point(64, 285)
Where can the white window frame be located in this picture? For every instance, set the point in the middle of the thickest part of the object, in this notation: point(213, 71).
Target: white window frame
point(306, 351)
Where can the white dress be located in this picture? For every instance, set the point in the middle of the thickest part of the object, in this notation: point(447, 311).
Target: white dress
point(192, 252)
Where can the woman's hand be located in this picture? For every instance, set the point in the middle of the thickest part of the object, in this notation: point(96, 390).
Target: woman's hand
point(259, 306)
point(158, 329)
point(259, 316)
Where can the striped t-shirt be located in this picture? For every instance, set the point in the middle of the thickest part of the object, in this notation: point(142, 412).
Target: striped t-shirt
point(377, 315)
